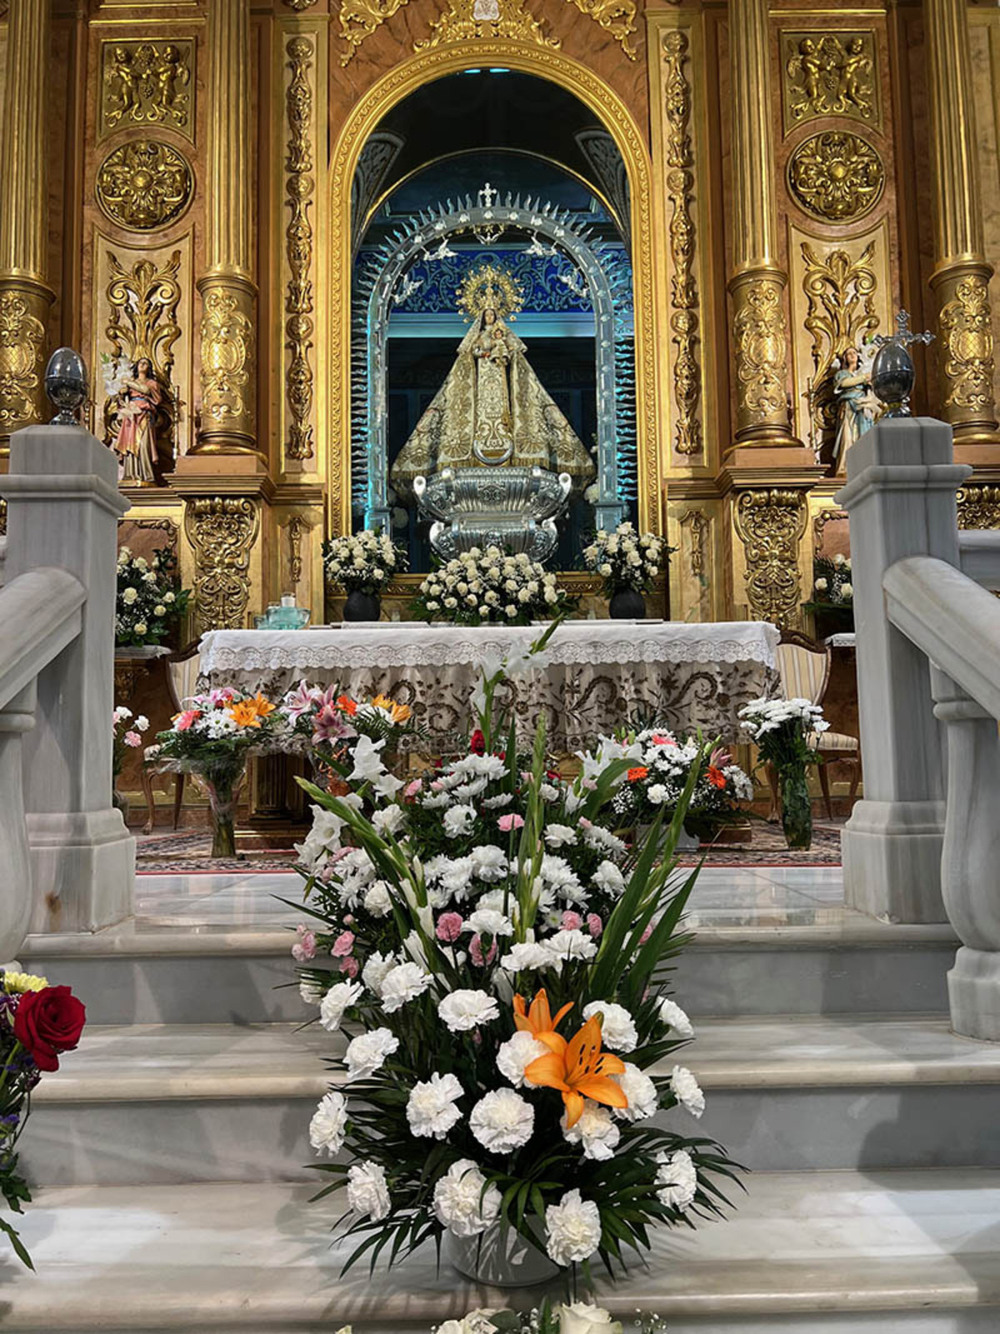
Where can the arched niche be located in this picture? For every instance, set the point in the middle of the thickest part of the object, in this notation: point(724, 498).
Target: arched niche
point(364, 121)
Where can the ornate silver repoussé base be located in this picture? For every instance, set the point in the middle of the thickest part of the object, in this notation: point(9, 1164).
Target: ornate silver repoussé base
point(512, 508)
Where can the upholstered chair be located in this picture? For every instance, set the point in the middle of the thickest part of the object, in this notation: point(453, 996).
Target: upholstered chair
point(182, 675)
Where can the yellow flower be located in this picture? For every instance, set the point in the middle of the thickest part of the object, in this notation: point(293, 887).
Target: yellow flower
point(16, 983)
point(399, 713)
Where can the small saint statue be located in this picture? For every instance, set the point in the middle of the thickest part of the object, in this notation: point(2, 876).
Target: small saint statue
point(492, 409)
point(857, 406)
point(137, 404)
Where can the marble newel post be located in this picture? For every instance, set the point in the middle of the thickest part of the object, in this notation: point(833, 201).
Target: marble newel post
point(961, 277)
point(63, 511)
point(900, 494)
point(25, 297)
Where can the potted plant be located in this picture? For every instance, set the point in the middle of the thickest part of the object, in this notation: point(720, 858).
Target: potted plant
point(627, 563)
point(362, 564)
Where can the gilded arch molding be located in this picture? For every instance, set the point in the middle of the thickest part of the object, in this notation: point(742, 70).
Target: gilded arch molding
point(392, 88)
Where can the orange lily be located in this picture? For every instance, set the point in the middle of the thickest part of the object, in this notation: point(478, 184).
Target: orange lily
point(347, 705)
point(398, 712)
point(539, 1018)
point(261, 705)
point(244, 714)
point(578, 1069)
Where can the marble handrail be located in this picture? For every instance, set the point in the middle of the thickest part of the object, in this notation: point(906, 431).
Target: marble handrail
point(979, 553)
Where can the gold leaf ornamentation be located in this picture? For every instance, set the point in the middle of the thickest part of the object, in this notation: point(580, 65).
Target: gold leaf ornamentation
point(979, 506)
point(144, 185)
point(22, 343)
point(759, 337)
point(360, 18)
point(683, 287)
point(829, 74)
point(967, 347)
point(296, 531)
point(146, 83)
point(616, 17)
point(836, 176)
point(471, 20)
point(299, 304)
point(144, 301)
point(770, 524)
point(222, 531)
point(840, 292)
point(226, 352)
point(700, 524)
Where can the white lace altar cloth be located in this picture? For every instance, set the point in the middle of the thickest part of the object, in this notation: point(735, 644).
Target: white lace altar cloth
point(597, 674)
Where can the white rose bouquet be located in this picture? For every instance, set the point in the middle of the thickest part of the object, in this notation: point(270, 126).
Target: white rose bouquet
point(625, 559)
point(150, 599)
point(480, 587)
point(363, 562)
point(503, 986)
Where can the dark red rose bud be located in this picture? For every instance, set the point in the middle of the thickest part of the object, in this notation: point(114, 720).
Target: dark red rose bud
point(477, 743)
point(48, 1022)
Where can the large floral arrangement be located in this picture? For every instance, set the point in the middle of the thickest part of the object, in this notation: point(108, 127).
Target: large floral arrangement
point(37, 1024)
point(326, 722)
point(483, 586)
point(363, 562)
point(832, 600)
point(502, 981)
point(660, 766)
point(126, 734)
point(150, 598)
point(211, 738)
point(785, 731)
point(626, 559)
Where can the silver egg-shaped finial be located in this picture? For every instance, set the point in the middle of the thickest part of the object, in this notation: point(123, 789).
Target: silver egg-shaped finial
point(66, 385)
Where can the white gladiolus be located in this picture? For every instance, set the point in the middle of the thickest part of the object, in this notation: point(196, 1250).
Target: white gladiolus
point(572, 1229)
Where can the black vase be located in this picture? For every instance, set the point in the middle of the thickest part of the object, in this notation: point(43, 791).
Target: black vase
point(361, 606)
point(627, 605)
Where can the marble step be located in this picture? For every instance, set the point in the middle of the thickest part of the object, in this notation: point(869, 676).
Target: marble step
point(803, 1253)
point(842, 964)
point(167, 1104)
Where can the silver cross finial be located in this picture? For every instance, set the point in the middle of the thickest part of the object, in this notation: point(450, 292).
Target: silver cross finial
point(903, 335)
point(892, 369)
point(487, 195)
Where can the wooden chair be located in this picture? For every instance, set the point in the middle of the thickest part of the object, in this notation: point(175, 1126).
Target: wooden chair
point(804, 667)
point(182, 674)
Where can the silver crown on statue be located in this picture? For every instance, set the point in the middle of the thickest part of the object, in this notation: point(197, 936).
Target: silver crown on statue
point(66, 385)
point(892, 370)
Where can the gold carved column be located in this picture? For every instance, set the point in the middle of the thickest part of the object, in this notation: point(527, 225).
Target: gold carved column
point(757, 284)
point(962, 274)
point(24, 296)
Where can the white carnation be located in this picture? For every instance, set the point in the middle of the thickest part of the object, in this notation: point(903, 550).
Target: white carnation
point(388, 819)
point(573, 944)
point(657, 794)
point(685, 1089)
point(465, 1009)
point(516, 1054)
point(559, 835)
point(489, 862)
point(337, 1001)
point(595, 1130)
point(527, 955)
point(640, 1091)
point(376, 970)
point(677, 1178)
point(367, 1052)
point(378, 900)
point(431, 1109)
point(502, 1121)
point(618, 1031)
point(328, 1126)
point(458, 820)
point(674, 1017)
point(402, 984)
point(367, 1192)
point(460, 1202)
point(609, 878)
point(489, 922)
point(572, 1229)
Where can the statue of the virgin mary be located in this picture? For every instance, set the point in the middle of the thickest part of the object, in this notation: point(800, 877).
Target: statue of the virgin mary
point(492, 409)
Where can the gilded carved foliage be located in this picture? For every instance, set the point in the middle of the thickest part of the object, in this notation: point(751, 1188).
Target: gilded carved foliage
point(699, 524)
point(226, 357)
point(469, 20)
point(144, 301)
point(222, 531)
point(759, 330)
point(295, 531)
point(979, 506)
point(144, 185)
point(22, 346)
point(967, 348)
point(829, 74)
point(616, 17)
point(836, 176)
point(840, 291)
point(770, 524)
point(683, 286)
point(146, 83)
point(299, 304)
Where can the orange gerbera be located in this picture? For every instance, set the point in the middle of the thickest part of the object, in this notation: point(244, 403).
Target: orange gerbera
point(347, 705)
point(579, 1069)
point(261, 705)
point(244, 714)
point(539, 1018)
point(716, 777)
point(398, 712)
point(637, 774)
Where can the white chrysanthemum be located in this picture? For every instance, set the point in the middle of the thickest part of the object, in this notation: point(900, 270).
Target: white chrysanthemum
point(528, 955)
point(489, 922)
point(431, 1109)
point(573, 944)
point(502, 1121)
point(378, 900)
point(402, 984)
point(559, 835)
point(618, 1031)
point(376, 970)
point(685, 1089)
point(466, 1009)
point(572, 1229)
point(640, 1091)
point(516, 1054)
point(608, 878)
point(656, 794)
point(337, 1001)
point(674, 1017)
point(367, 1192)
point(595, 1130)
point(489, 862)
point(367, 1052)
point(460, 1202)
point(328, 1126)
point(677, 1178)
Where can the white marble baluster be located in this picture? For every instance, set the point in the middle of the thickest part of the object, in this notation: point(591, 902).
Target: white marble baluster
point(970, 864)
point(15, 883)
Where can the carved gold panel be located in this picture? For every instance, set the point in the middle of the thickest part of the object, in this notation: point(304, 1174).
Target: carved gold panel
point(222, 532)
point(696, 584)
point(841, 293)
point(299, 295)
point(144, 185)
point(770, 524)
point(979, 506)
point(147, 82)
point(830, 73)
point(836, 176)
point(297, 554)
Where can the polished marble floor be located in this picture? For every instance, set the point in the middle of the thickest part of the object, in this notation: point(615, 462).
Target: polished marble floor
point(776, 896)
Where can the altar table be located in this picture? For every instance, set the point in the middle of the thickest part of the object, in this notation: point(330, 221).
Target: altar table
point(597, 675)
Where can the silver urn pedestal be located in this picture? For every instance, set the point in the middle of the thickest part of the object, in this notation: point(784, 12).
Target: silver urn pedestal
point(512, 508)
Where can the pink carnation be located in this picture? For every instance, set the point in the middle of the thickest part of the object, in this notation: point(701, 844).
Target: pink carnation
point(571, 921)
point(594, 925)
point(476, 951)
point(304, 948)
point(132, 739)
point(508, 822)
point(343, 945)
point(411, 789)
point(449, 926)
point(349, 966)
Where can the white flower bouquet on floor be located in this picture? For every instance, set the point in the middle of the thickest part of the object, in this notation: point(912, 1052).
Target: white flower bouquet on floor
point(363, 562)
point(502, 990)
point(785, 731)
point(626, 559)
point(479, 587)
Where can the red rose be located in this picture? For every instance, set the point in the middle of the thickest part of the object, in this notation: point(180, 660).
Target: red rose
point(48, 1022)
point(477, 743)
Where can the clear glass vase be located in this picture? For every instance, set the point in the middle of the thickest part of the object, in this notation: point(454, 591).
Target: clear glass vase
point(796, 807)
point(500, 1258)
point(223, 792)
